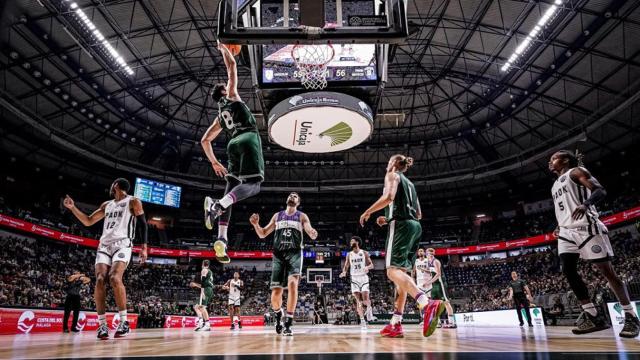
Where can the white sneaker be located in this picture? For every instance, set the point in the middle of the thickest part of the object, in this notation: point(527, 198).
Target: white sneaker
point(363, 325)
point(206, 327)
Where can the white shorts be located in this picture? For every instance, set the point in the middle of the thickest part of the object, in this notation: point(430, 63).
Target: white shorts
point(593, 247)
point(118, 251)
point(234, 302)
point(360, 283)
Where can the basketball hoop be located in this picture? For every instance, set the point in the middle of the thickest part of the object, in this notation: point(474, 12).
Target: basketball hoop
point(311, 62)
point(319, 279)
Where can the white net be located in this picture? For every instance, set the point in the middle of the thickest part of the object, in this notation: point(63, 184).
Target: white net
point(312, 61)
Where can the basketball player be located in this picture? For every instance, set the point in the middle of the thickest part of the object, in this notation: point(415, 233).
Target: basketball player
point(205, 297)
point(359, 263)
point(436, 283)
point(421, 272)
point(244, 152)
point(233, 286)
point(122, 217)
point(402, 212)
point(582, 235)
point(286, 265)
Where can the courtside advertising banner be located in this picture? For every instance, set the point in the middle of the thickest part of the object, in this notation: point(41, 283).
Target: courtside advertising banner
point(29, 321)
point(617, 314)
point(498, 318)
point(178, 321)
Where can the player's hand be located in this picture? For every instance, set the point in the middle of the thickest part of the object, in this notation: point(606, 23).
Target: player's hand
point(579, 212)
point(68, 202)
point(313, 234)
point(556, 232)
point(381, 221)
point(143, 254)
point(254, 219)
point(366, 270)
point(342, 274)
point(218, 168)
point(225, 288)
point(364, 218)
point(193, 285)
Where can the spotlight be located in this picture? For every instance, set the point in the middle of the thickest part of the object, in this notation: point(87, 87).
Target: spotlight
point(47, 82)
point(26, 65)
point(37, 74)
point(14, 55)
point(65, 97)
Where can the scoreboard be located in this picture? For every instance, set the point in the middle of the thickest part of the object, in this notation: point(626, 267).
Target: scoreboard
point(158, 193)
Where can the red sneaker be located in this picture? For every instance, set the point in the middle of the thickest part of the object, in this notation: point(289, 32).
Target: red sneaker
point(392, 331)
point(432, 313)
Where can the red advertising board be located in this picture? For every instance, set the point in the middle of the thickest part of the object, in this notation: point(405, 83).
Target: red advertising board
point(14, 223)
point(23, 321)
point(178, 321)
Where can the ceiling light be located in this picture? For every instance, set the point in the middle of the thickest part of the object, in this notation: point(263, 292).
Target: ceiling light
point(65, 97)
point(47, 82)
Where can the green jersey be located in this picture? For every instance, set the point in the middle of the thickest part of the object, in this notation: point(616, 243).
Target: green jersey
point(288, 234)
point(405, 204)
point(207, 283)
point(235, 117)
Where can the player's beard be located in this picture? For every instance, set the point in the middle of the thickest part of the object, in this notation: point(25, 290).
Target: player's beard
point(291, 203)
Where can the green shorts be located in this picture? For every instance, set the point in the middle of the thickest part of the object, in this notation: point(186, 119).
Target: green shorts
point(284, 264)
point(437, 291)
point(245, 156)
point(403, 238)
point(206, 295)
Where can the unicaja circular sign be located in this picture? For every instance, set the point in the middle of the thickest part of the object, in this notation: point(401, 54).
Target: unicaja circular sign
point(320, 122)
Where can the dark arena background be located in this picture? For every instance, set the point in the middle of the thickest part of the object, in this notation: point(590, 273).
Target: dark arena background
point(400, 125)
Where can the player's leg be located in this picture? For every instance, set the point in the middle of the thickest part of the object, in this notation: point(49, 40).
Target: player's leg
point(366, 301)
point(200, 323)
point(120, 261)
point(294, 271)
point(359, 307)
point(231, 314)
point(237, 312)
point(75, 306)
point(67, 312)
point(103, 262)
point(205, 316)
point(278, 279)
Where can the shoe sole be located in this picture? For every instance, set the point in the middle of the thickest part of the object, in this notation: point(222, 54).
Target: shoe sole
point(435, 308)
point(629, 336)
point(221, 254)
point(393, 336)
point(596, 329)
point(116, 336)
point(207, 208)
point(279, 330)
point(103, 337)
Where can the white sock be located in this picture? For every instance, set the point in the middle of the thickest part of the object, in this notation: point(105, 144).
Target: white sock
point(226, 201)
point(396, 319)
point(422, 300)
point(222, 231)
point(362, 319)
point(235, 319)
point(123, 315)
point(590, 308)
point(628, 309)
point(102, 319)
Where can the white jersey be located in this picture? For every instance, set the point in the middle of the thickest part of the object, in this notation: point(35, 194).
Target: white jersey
point(234, 289)
point(119, 222)
point(422, 270)
point(567, 196)
point(357, 263)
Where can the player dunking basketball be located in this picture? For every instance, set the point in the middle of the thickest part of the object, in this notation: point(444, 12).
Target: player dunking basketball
point(286, 265)
point(122, 217)
point(206, 294)
point(359, 263)
point(402, 212)
point(582, 235)
point(245, 170)
point(233, 286)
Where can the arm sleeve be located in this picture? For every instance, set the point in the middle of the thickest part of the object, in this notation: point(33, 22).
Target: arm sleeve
point(142, 229)
point(597, 195)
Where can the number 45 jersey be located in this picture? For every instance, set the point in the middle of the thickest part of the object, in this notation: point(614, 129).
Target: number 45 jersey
point(288, 234)
point(567, 196)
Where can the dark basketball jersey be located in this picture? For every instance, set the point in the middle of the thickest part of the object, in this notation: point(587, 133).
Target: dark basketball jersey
point(207, 283)
point(235, 117)
point(405, 204)
point(288, 234)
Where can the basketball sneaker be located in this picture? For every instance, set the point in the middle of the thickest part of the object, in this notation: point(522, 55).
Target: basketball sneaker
point(363, 324)
point(431, 316)
point(103, 332)
point(588, 324)
point(122, 330)
point(220, 247)
point(212, 210)
point(239, 324)
point(199, 326)
point(287, 326)
point(279, 327)
point(287, 332)
point(631, 326)
point(206, 327)
point(233, 327)
point(392, 331)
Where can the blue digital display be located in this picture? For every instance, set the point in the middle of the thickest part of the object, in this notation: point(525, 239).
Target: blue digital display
point(158, 193)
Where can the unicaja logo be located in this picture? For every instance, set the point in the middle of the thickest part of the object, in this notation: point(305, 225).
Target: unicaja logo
point(339, 133)
point(115, 321)
point(27, 321)
point(82, 320)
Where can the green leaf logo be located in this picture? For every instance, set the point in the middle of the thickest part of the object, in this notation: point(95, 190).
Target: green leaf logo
point(536, 312)
point(618, 308)
point(338, 133)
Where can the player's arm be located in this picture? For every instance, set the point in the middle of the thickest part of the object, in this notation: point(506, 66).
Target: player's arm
point(306, 225)
point(263, 232)
point(527, 291)
point(367, 260)
point(414, 272)
point(346, 265)
point(510, 293)
point(598, 193)
point(418, 209)
point(232, 72)
point(227, 285)
point(391, 181)
point(86, 220)
point(85, 279)
point(141, 227)
point(195, 285)
point(438, 275)
point(241, 285)
point(211, 134)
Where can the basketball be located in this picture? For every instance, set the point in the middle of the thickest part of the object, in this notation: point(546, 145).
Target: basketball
point(234, 48)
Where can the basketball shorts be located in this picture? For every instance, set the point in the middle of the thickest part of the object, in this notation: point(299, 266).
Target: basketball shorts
point(591, 247)
point(117, 251)
point(403, 237)
point(438, 292)
point(423, 287)
point(360, 283)
point(206, 295)
point(234, 302)
point(245, 156)
point(285, 263)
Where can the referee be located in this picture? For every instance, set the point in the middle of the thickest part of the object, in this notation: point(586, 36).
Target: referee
point(519, 293)
point(72, 302)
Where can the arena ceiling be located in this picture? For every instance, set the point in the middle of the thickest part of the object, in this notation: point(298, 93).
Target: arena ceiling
point(471, 127)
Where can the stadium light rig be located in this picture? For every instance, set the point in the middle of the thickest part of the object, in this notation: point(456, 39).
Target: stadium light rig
point(91, 27)
point(524, 45)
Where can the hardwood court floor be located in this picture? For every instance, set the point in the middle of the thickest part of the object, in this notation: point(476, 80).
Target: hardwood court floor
point(310, 341)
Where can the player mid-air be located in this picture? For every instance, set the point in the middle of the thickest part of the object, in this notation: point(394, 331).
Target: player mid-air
point(205, 297)
point(402, 214)
point(582, 235)
point(359, 263)
point(122, 217)
point(233, 286)
point(245, 163)
point(286, 267)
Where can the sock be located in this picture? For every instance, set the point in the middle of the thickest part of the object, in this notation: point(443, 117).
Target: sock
point(278, 314)
point(362, 320)
point(422, 299)
point(227, 200)
point(396, 318)
point(628, 309)
point(222, 229)
point(123, 315)
point(590, 308)
point(452, 319)
point(235, 319)
point(102, 319)
point(288, 319)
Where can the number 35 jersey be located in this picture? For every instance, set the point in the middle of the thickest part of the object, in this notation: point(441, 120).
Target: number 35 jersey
point(119, 222)
point(567, 196)
point(288, 234)
point(235, 117)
